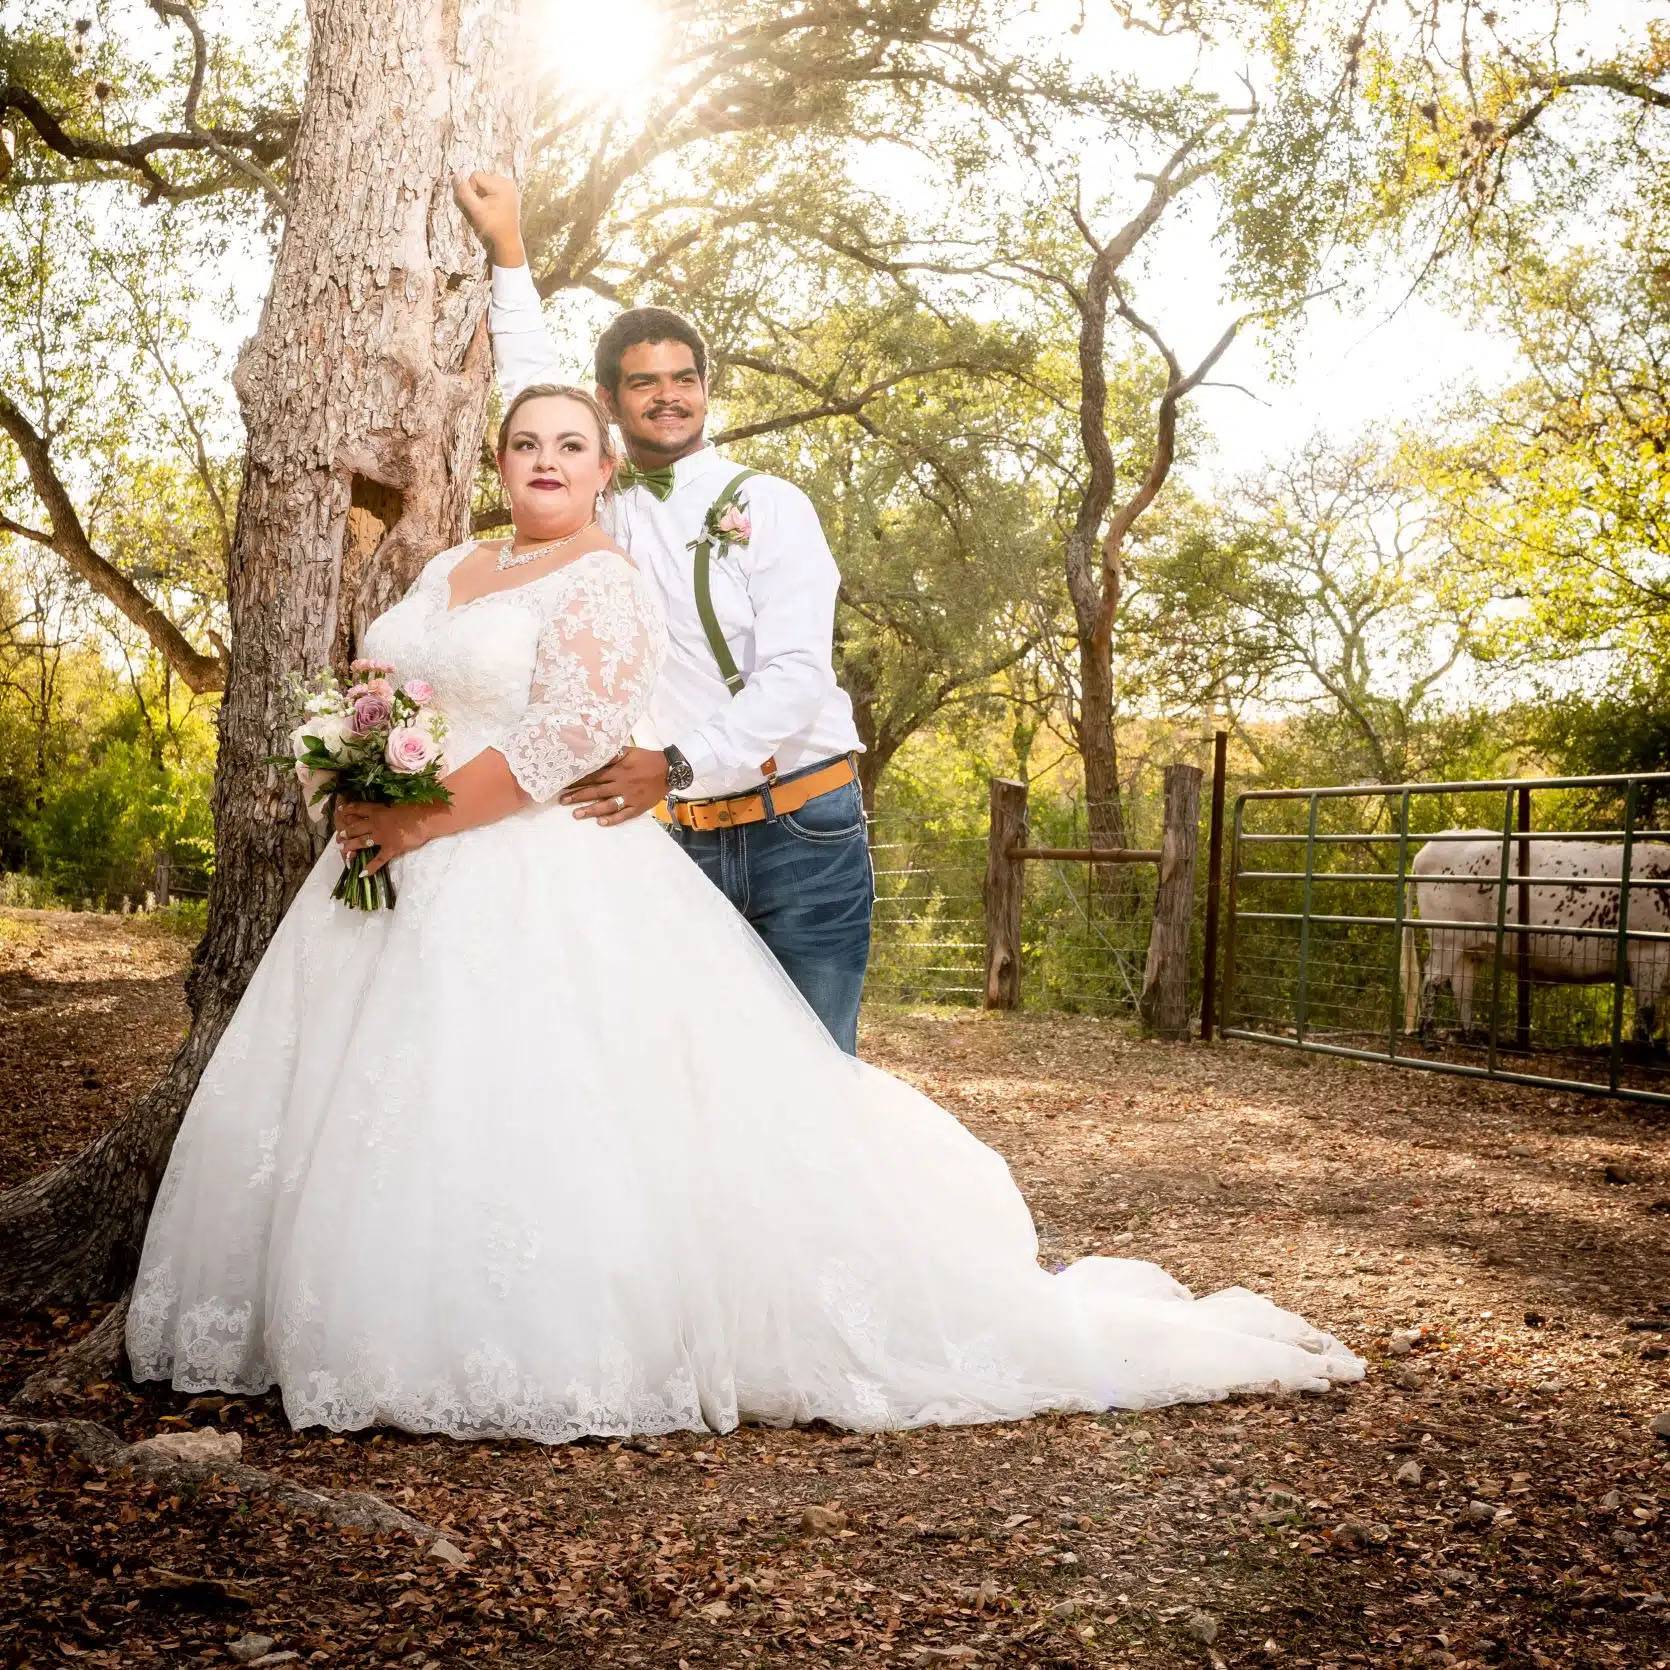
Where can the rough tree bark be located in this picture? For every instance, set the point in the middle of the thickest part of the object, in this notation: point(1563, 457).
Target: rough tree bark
point(364, 396)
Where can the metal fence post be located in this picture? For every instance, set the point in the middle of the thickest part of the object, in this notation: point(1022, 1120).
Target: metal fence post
point(1398, 927)
point(1502, 875)
point(1214, 886)
point(1226, 1005)
point(1301, 1011)
point(1522, 953)
point(1620, 969)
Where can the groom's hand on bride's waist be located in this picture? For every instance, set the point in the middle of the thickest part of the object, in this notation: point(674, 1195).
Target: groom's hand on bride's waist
point(632, 782)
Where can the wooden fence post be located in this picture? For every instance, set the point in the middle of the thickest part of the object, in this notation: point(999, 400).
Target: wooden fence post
point(163, 867)
point(1164, 1006)
point(1003, 888)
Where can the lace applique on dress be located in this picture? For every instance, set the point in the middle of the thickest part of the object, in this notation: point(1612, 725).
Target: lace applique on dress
point(597, 659)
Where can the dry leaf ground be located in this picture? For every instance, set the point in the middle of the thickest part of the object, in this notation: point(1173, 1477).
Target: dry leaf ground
point(1267, 1532)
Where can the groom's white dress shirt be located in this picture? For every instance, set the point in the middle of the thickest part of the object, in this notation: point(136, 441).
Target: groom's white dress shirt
point(774, 596)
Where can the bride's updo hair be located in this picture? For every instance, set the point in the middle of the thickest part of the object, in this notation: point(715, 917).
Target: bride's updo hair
point(565, 391)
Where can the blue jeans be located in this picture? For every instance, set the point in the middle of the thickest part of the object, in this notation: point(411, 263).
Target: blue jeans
point(805, 884)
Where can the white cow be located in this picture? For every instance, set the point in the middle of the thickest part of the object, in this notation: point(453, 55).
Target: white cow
point(1455, 881)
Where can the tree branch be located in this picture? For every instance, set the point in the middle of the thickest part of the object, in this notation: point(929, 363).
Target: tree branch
point(202, 673)
point(1614, 81)
point(200, 57)
point(267, 141)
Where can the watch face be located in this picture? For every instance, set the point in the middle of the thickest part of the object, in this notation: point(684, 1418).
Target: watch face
point(679, 772)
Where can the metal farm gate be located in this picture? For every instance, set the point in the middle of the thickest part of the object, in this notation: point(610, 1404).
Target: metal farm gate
point(1514, 930)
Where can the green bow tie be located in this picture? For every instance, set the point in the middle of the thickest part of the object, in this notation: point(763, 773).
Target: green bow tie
point(659, 482)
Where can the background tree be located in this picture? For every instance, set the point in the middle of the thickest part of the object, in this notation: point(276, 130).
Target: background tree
point(1337, 568)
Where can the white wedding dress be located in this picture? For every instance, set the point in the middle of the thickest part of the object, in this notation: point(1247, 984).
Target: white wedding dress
point(555, 1148)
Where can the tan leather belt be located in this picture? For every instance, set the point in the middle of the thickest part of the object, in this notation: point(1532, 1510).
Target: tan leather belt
point(736, 809)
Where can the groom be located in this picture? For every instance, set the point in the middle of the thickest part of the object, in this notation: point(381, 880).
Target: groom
point(757, 769)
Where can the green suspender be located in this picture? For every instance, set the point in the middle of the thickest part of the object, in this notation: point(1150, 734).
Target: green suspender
point(704, 607)
point(704, 589)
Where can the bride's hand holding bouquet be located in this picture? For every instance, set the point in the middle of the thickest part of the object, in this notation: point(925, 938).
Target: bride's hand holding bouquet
point(371, 755)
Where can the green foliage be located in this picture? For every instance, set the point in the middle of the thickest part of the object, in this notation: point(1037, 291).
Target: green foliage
point(106, 762)
point(100, 828)
point(1560, 485)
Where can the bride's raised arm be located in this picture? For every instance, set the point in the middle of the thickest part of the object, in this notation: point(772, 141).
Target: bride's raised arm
point(523, 353)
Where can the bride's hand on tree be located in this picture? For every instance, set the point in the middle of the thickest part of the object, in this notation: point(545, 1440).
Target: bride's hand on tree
point(493, 207)
point(393, 830)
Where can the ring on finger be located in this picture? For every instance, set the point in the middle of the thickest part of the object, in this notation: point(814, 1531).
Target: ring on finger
point(620, 802)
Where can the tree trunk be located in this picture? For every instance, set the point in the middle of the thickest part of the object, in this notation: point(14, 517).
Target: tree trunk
point(1095, 597)
point(1098, 744)
point(877, 756)
point(364, 396)
point(864, 722)
point(1109, 888)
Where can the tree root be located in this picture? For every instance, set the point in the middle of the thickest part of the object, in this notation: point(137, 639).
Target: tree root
point(97, 1356)
point(104, 1449)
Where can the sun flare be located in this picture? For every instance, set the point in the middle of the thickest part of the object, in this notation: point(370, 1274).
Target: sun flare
point(603, 52)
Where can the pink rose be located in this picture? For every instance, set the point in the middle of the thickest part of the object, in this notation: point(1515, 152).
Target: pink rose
point(735, 523)
point(381, 687)
point(371, 713)
point(409, 749)
point(420, 690)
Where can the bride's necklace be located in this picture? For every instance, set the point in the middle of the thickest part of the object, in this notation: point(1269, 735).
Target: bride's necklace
point(509, 559)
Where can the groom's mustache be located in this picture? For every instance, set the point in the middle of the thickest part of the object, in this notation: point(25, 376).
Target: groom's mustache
point(667, 411)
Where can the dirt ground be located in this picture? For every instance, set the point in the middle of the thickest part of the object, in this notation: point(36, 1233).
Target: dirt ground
point(1523, 1234)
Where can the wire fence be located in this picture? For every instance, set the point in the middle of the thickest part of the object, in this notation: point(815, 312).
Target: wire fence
point(1084, 930)
point(100, 884)
point(1513, 930)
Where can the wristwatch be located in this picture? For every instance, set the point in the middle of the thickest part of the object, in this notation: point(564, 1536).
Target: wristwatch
point(680, 773)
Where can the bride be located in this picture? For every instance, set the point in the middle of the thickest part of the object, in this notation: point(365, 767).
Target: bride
point(555, 1148)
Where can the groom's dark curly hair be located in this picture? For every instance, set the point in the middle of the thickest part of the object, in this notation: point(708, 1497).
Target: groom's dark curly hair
point(645, 324)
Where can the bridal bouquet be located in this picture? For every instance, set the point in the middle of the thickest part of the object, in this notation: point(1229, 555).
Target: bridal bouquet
point(376, 741)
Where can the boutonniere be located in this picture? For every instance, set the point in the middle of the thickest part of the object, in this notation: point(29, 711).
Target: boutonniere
point(724, 528)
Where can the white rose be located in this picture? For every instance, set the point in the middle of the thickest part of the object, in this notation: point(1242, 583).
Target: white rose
point(331, 730)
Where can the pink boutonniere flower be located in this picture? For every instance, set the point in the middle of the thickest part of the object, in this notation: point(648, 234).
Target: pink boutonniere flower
point(724, 528)
point(735, 526)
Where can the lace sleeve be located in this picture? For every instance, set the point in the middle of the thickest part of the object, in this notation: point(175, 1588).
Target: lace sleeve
point(598, 656)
